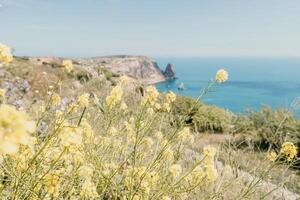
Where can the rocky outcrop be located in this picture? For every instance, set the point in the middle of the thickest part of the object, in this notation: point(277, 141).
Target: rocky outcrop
point(140, 68)
point(169, 72)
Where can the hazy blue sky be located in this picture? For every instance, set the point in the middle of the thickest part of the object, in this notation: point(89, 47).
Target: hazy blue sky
point(151, 27)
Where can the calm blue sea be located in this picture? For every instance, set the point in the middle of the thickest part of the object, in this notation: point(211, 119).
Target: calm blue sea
point(253, 82)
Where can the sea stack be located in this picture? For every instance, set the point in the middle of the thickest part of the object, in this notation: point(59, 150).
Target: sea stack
point(169, 72)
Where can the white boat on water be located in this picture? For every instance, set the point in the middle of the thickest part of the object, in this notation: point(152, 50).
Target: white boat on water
point(181, 86)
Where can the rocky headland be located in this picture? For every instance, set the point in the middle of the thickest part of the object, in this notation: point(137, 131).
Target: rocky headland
point(140, 68)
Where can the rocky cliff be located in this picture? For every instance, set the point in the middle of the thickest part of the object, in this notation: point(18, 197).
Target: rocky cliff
point(140, 68)
point(170, 72)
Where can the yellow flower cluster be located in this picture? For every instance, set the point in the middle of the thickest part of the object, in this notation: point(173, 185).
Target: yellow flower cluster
point(70, 136)
point(115, 97)
point(15, 129)
point(175, 170)
point(151, 95)
point(185, 136)
point(83, 100)
point(272, 156)
point(55, 100)
point(124, 80)
point(289, 150)
point(211, 173)
point(52, 183)
point(88, 189)
point(68, 65)
point(5, 54)
point(221, 76)
point(2, 94)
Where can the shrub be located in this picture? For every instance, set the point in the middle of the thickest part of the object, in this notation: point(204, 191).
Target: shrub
point(201, 117)
point(267, 128)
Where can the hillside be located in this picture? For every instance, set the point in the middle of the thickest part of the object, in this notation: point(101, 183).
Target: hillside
point(30, 83)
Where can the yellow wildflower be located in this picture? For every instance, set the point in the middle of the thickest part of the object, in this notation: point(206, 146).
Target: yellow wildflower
point(70, 136)
point(151, 95)
point(148, 142)
point(55, 100)
point(170, 97)
point(15, 129)
point(52, 184)
point(272, 156)
point(167, 107)
point(83, 100)
point(88, 189)
point(124, 80)
point(221, 76)
point(2, 94)
point(5, 54)
point(86, 171)
point(72, 108)
point(211, 174)
point(175, 170)
point(185, 136)
point(114, 97)
point(68, 65)
point(87, 131)
point(209, 151)
point(289, 150)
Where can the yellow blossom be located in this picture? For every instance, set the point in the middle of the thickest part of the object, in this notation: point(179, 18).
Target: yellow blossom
point(88, 189)
point(83, 100)
point(209, 151)
point(114, 97)
point(124, 80)
point(170, 97)
point(70, 136)
point(175, 170)
point(272, 156)
point(72, 108)
point(55, 100)
point(148, 142)
point(151, 95)
point(68, 65)
point(52, 184)
point(221, 76)
point(5, 54)
point(15, 129)
point(289, 150)
point(85, 171)
point(2, 94)
point(167, 107)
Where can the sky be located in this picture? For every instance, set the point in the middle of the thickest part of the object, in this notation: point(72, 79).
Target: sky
point(158, 28)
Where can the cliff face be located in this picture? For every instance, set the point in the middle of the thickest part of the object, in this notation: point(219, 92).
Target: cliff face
point(170, 72)
point(140, 68)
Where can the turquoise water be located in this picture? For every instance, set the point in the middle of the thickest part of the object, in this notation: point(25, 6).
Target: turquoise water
point(253, 82)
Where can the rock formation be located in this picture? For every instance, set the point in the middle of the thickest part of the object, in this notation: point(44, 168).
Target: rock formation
point(169, 73)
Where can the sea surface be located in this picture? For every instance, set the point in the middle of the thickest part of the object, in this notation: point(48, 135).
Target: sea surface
point(253, 82)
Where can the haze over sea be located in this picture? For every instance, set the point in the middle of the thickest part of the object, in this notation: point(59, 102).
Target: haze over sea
point(253, 82)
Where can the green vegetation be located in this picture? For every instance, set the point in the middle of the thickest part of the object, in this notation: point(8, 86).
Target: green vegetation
point(268, 129)
point(201, 117)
